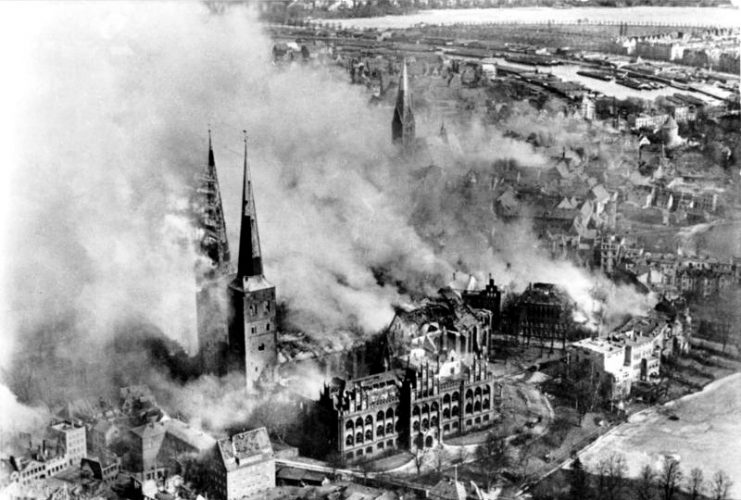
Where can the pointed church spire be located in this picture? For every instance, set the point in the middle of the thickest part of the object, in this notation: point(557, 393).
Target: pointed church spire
point(402, 124)
point(210, 217)
point(211, 161)
point(250, 257)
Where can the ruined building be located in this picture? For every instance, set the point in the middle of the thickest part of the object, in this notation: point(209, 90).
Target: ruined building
point(252, 333)
point(439, 382)
point(212, 269)
point(541, 316)
point(439, 326)
point(488, 299)
point(402, 124)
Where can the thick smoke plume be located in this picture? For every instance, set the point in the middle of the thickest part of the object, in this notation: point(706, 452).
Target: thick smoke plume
point(110, 134)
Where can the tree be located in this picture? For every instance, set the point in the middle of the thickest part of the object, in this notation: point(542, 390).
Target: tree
point(720, 486)
point(493, 455)
point(696, 483)
point(558, 431)
point(585, 386)
point(579, 481)
point(525, 453)
point(419, 459)
point(669, 478)
point(611, 476)
point(644, 486)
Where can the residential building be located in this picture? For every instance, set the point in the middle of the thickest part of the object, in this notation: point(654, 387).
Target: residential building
point(245, 466)
point(74, 439)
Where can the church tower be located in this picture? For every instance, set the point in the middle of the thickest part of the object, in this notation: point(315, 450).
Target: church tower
point(252, 333)
point(212, 267)
point(402, 124)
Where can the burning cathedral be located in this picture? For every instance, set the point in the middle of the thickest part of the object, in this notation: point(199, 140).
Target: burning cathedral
point(434, 378)
point(236, 310)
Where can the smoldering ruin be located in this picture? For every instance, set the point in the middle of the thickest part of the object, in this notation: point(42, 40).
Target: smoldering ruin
point(101, 253)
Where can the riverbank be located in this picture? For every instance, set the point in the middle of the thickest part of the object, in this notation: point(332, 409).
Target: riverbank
point(723, 17)
point(704, 434)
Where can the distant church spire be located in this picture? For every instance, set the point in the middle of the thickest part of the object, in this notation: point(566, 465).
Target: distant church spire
point(402, 124)
point(250, 257)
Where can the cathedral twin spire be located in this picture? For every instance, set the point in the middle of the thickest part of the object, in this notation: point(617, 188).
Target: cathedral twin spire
point(210, 218)
point(250, 256)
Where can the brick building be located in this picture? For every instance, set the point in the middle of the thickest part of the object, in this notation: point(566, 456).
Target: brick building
point(412, 409)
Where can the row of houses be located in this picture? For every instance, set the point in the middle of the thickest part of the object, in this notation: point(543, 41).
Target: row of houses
point(719, 52)
point(700, 276)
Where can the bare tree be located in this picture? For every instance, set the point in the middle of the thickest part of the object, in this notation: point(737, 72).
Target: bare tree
point(463, 455)
point(696, 483)
point(720, 486)
point(670, 477)
point(419, 459)
point(644, 486)
point(611, 473)
point(493, 455)
point(523, 460)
